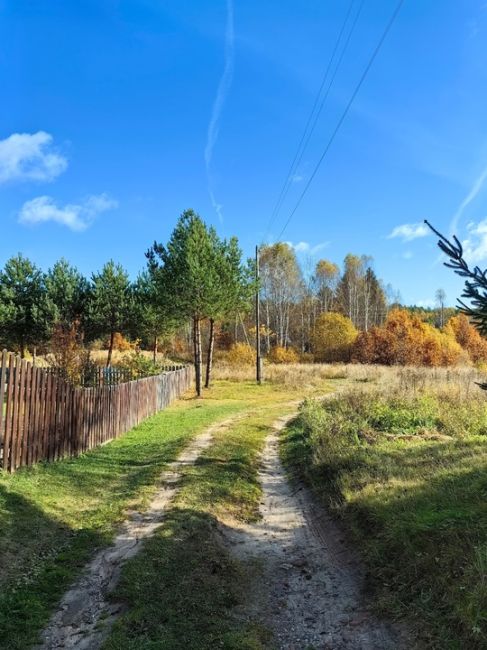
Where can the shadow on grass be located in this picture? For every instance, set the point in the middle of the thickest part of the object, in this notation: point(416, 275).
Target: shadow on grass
point(41, 567)
point(183, 591)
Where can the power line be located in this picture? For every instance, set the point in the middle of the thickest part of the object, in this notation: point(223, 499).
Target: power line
point(323, 102)
point(345, 112)
point(310, 117)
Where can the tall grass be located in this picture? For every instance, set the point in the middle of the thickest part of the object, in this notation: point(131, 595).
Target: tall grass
point(460, 379)
point(402, 459)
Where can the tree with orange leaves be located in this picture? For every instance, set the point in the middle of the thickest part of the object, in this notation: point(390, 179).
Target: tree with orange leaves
point(405, 340)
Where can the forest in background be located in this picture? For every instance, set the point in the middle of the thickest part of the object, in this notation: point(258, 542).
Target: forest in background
point(196, 296)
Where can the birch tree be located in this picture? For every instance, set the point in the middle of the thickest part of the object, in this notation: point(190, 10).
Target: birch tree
point(280, 282)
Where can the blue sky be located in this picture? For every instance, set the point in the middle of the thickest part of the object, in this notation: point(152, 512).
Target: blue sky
point(117, 115)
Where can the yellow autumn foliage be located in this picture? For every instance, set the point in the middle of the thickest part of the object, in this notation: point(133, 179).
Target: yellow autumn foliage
point(280, 354)
point(333, 337)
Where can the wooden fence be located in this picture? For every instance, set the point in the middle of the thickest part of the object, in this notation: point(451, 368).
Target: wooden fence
point(106, 376)
point(46, 418)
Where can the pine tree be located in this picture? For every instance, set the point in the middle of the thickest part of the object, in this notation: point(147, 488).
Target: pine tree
point(231, 290)
point(152, 318)
point(111, 303)
point(25, 317)
point(67, 292)
point(187, 273)
point(475, 290)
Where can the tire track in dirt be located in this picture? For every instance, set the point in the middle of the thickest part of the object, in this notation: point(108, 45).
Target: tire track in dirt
point(85, 614)
point(310, 588)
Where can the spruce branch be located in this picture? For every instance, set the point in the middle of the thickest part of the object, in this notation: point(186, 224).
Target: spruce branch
point(475, 290)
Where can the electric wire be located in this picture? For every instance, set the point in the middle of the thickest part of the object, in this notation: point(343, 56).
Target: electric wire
point(290, 172)
point(323, 102)
point(345, 113)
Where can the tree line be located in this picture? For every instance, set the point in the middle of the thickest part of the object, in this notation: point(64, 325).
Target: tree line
point(198, 284)
point(196, 276)
point(292, 300)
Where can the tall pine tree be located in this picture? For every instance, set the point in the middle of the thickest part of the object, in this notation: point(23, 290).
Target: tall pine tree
point(25, 317)
point(187, 272)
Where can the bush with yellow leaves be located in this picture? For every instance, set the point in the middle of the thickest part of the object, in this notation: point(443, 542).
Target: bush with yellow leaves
point(241, 354)
point(279, 354)
point(333, 337)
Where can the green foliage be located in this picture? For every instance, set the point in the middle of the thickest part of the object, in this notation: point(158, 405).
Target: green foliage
point(197, 276)
point(111, 302)
point(138, 365)
point(25, 316)
point(400, 413)
point(153, 317)
point(67, 292)
point(185, 269)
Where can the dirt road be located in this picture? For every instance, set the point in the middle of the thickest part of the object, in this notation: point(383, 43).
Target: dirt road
point(310, 594)
point(308, 585)
point(85, 614)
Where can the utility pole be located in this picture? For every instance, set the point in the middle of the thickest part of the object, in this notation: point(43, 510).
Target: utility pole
point(257, 317)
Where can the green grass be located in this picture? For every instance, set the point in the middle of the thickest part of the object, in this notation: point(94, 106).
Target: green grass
point(184, 589)
point(54, 516)
point(416, 507)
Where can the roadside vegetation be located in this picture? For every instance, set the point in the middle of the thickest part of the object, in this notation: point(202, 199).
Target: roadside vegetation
point(403, 462)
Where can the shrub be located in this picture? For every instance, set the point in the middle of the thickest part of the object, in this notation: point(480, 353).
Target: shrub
point(466, 335)
point(241, 354)
point(333, 337)
point(68, 355)
point(138, 365)
point(121, 344)
point(279, 354)
point(405, 340)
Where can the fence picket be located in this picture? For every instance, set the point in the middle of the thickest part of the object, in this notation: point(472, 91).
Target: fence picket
point(47, 418)
point(3, 382)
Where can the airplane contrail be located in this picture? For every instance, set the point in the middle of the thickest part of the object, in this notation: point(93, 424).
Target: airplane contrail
point(475, 189)
point(222, 92)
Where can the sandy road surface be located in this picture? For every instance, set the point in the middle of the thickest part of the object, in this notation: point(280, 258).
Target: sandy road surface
point(311, 592)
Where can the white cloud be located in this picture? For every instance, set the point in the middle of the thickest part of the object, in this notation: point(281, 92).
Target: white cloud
point(76, 216)
point(475, 246)
point(305, 247)
point(221, 95)
point(409, 231)
point(30, 157)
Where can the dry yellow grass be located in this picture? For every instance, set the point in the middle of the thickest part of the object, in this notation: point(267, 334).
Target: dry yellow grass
point(460, 380)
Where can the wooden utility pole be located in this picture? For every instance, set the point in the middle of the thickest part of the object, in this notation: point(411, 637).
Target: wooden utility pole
point(257, 317)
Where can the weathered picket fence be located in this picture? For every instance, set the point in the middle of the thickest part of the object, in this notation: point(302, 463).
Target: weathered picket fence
point(46, 418)
point(102, 376)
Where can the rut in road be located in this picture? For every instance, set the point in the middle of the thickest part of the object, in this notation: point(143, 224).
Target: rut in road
point(310, 591)
point(86, 614)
